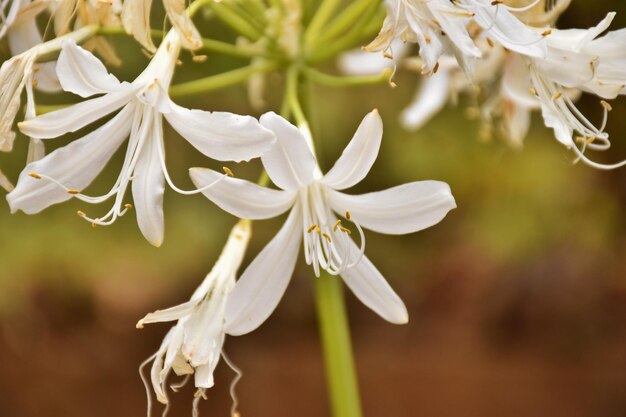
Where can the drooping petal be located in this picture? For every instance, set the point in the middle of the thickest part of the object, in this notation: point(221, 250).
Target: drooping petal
point(180, 19)
point(289, 162)
point(220, 135)
point(80, 72)
point(430, 99)
point(263, 283)
point(242, 198)
point(77, 116)
point(136, 21)
point(405, 208)
point(75, 166)
point(369, 286)
point(148, 189)
point(168, 314)
point(359, 156)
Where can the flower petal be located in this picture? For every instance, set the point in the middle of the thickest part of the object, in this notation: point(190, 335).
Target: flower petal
point(169, 314)
point(220, 135)
point(359, 156)
point(289, 162)
point(77, 116)
point(241, 198)
point(398, 210)
point(148, 189)
point(369, 286)
point(430, 99)
point(80, 72)
point(75, 166)
point(263, 283)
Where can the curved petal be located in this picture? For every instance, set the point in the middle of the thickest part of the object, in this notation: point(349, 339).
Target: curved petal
point(359, 156)
point(77, 116)
point(80, 72)
point(242, 198)
point(398, 210)
point(430, 99)
point(369, 286)
point(75, 166)
point(148, 189)
point(220, 135)
point(264, 282)
point(289, 162)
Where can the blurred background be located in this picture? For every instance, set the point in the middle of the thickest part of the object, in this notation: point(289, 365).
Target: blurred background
point(517, 299)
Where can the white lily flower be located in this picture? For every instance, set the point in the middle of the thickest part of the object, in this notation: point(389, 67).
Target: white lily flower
point(438, 25)
point(194, 344)
point(136, 20)
point(312, 199)
point(64, 173)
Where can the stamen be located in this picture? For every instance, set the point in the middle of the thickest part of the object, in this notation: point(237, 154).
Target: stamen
point(35, 175)
point(348, 215)
point(337, 224)
point(73, 192)
point(228, 171)
point(327, 236)
point(313, 227)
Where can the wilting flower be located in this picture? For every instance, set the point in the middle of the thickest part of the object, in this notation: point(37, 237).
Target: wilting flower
point(194, 344)
point(136, 20)
point(64, 173)
point(73, 14)
point(312, 199)
point(440, 25)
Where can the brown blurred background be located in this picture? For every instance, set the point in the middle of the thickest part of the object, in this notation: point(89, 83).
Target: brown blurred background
point(517, 299)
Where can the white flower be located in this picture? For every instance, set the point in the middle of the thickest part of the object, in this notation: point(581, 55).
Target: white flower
point(136, 20)
point(194, 344)
point(311, 199)
point(439, 25)
point(67, 171)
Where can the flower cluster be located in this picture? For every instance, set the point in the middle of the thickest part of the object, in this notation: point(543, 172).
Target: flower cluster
point(509, 49)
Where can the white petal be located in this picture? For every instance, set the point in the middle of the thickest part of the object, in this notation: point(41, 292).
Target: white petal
point(359, 156)
point(220, 135)
point(430, 99)
point(168, 314)
point(289, 162)
point(242, 198)
point(403, 209)
point(80, 72)
point(77, 116)
point(263, 283)
point(148, 188)
point(369, 286)
point(74, 165)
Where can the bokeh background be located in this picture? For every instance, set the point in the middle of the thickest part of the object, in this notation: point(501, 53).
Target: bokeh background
point(517, 299)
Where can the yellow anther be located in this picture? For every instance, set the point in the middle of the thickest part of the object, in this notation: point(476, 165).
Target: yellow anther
point(168, 45)
point(317, 230)
point(179, 62)
point(93, 225)
point(228, 171)
point(128, 206)
point(343, 229)
point(557, 96)
point(337, 224)
point(388, 55)
point(199, 393)
point(35, 175)
point(81, 213)
point(532, 91)
point(199, 58)
point(348, 215)
point(35, 83)
point(546, 32)
point(436, 68)
point(427, 39)
point(496, 2)
point(310, 229)
point(73, 192)
point(327, 236)
point(490, 42)
point(606, 105)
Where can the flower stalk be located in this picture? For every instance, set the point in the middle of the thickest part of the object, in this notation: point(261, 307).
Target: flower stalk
point(342, 382)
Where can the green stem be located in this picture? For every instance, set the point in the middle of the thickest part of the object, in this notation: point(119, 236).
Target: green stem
point(337, 347)
point(323, 13)
point(235, 21)
point(222, 80)
point(344, 21)
point(292, 99)
point(347, 80)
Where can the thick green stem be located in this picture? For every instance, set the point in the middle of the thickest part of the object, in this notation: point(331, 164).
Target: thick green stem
point(341, 376)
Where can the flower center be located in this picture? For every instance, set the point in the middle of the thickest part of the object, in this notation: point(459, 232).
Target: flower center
point(327, 243)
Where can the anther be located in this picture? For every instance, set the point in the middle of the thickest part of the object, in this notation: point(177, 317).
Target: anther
point(337, 224)
point(318, 230)
point(606, 105)
point(347, 215)
point(546, 32)
point(73, 192)
point(496, 2)
point(327, 236)
point(199, 58)
point(343, 229)
point(310, 229)
point(436, 68)
point(35, 175)
point(228, 171)
point(557, 96)
point(490, 42)
point(532, 91)
point(128, 206)
point(81, 213)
